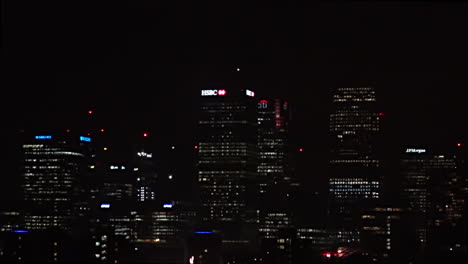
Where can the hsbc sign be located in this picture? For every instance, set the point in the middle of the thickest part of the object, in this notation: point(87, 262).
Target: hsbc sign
point(220, 92)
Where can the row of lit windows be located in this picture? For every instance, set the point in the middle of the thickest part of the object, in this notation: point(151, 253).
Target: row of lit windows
point(352, 181)
point(221, 172)
point(55, 153)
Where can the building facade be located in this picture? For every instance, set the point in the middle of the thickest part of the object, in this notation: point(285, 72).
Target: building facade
point(434, 186)
point(354, 168)
point(227, 153)
point(55, 169)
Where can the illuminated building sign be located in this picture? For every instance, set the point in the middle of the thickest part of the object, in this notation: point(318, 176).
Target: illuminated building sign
point(112, 167)
point(203, 232)
point(413, 150)
point(250, 93)
point(263, 104)
point(167, 205)
point(144, 154)
point(43, 137)
point(105, 205)
point(87, 139)
point(220, 92)
point(19, 231)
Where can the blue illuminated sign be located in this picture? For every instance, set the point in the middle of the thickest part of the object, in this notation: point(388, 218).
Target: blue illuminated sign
point(105, 205)
point(203, 232)
point(43, 137)
point(19, 231)
point(167, 205)
point(87, 139)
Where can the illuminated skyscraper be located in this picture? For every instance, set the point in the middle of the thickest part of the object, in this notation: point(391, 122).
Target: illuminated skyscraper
point(145, 173)
point(274, 179)
point(354, 167)
point(413, 168)
point(434, 185)
point(227, 153)
point(274, 167)
point(55, 168)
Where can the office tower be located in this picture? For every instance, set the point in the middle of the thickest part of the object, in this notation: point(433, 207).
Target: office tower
point(434, 185)
point(55, 168)
point(274, 166)
point(276, 234)
point(144, 170)
point(388, 233)
point(9, 220)
point(227, 153)
point(353, 166)
point(413, 167)
point(118, 182)
point(274, 178)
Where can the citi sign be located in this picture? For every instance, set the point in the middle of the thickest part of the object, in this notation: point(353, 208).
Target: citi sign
point(220, 92)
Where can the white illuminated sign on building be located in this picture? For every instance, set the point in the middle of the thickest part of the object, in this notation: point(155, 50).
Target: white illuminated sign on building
point(213, 92)
point(112, 167)
point(144, 154)
point(413, 150)
point(250, 93)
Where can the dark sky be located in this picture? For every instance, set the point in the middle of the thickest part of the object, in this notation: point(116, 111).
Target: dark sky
point(141, 64)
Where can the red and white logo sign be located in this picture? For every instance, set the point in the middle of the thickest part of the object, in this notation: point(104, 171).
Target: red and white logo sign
point(219, 92)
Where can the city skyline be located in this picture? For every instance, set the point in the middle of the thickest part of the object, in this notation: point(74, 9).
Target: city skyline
point(200, 105)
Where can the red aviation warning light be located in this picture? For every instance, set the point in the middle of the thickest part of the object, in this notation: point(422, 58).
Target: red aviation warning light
point(459, 144)
point(102, 130)
point(90, 112)
point(301, 149)
point(381, 114)
point(195, 147)
point(68, 130)
point(145, 134)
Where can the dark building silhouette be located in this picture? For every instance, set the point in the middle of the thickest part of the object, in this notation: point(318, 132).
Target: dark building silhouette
point(275, 176)
point(354, 168)
point(227, 154)
point(434, 187)
point(55, 175)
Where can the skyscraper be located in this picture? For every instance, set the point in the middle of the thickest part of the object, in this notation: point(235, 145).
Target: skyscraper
point(274, 178)
point(227, 153)
point(434, 185)
point(413, 167)
point(274, 167)
point(55, 168)
point(353, 165)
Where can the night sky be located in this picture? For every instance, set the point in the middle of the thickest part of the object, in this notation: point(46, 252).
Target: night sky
point(140, 66)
